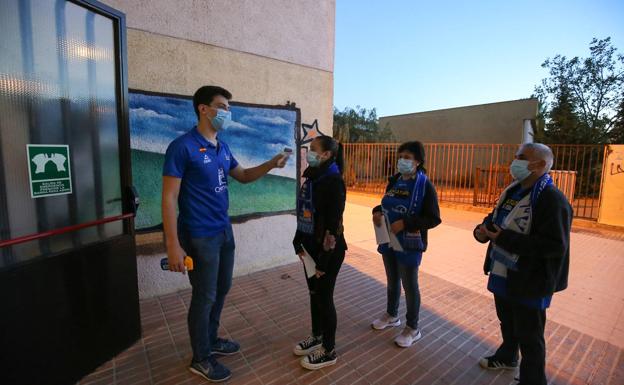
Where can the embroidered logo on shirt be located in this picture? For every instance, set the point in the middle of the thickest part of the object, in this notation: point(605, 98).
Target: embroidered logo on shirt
point(222, 181)
point(207, 159)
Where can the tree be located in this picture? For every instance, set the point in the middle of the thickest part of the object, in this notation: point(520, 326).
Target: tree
point(617, 132)
point(563, 124)
point(358, 124)
point(581, 96)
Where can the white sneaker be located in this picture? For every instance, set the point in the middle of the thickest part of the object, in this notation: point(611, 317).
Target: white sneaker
point(386, 321)
point(407, 337)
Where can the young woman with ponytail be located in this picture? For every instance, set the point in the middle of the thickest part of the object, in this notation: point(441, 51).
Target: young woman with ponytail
point(320, 207)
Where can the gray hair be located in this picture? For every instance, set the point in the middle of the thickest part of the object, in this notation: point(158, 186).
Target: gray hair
point(542, 152)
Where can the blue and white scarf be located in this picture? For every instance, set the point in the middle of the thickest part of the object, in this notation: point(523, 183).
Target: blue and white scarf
point(305, 201)
point(518, 220)
point(407, 246)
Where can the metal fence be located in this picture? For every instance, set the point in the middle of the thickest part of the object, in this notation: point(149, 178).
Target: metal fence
point(477, 173)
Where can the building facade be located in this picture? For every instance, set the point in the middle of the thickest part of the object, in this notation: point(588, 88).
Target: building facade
point(508, 122)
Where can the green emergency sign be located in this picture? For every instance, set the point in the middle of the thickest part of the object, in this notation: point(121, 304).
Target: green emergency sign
point(49, 170)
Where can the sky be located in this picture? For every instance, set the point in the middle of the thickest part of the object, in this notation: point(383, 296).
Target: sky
point(402, 56)
point(255, 135)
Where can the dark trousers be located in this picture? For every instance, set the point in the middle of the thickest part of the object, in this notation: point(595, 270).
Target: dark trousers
point(211, 279)
point(322, 308)
point(397, 273)
point(523, 327)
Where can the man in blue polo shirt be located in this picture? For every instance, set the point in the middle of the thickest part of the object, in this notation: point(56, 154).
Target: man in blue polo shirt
point(197, 165)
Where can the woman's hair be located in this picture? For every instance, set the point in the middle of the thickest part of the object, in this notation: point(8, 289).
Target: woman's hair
point(417, 149)
point(330, 144)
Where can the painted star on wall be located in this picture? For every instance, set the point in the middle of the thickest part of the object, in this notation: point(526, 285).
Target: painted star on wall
point(310, 131)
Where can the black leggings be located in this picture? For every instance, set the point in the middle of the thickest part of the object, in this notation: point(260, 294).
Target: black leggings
point(322, 306)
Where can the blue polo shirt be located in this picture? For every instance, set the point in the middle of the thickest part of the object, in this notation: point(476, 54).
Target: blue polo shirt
point(203, 201)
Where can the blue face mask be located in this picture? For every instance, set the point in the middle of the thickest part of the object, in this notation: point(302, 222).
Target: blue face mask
point(313, 159)
point(221, 120)
point(520, 169)
point(406, 166)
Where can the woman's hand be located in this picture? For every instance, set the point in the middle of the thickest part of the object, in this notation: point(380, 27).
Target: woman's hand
point(397, 227)
point(301, 254)
point(377, 218)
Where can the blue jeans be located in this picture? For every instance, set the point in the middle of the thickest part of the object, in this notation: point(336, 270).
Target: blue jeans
point(397, 272)
point(211, 279)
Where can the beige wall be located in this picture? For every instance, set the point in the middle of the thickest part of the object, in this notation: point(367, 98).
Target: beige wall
point(300, 31)
point(487, 123)
point(164, 64)
point(612, 199)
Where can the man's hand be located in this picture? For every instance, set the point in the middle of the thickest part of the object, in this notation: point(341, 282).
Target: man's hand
point(377, 218)
point(301, 254)
point(329, 242)
point(481, 234)
point(279, 160)
point(175, 256)
point(397, 226)
point(319, 273)
point(493, 234)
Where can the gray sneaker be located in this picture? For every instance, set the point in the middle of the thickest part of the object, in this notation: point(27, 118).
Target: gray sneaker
point(211, 370)
point(407, 337)
point(386, 321)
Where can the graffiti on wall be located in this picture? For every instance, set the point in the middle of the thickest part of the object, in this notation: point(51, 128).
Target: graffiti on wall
point(612, 189)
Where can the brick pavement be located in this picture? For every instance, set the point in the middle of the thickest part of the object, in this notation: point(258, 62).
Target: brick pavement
point(267, 312)
point(593, 302)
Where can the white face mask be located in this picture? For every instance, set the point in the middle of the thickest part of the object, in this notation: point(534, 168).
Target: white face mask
point(314, 160)
point(520, 169)
point(406, 166)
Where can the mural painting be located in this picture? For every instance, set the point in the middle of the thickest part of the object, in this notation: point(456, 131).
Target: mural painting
point(258, 132)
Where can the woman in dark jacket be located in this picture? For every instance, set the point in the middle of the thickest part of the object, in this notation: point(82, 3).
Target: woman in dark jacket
point(319, 233)
point(409, 208)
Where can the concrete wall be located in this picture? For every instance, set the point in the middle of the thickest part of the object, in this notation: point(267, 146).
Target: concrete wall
point(300, 32)
point(266, 52)
point(256, 249)
point(487, 123)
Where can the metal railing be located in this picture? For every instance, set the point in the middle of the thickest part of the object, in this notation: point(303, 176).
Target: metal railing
point(477, 173)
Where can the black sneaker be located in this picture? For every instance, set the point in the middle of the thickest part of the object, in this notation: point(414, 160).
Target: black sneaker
point(211, 370)
point(225, 347)
point(492, 363)
point(319, 359)
point(308, 345)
